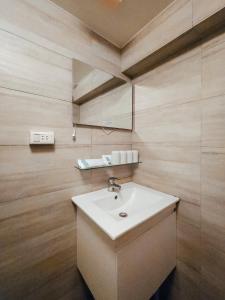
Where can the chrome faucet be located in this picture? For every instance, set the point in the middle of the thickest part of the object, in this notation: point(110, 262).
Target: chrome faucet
point(112, 186)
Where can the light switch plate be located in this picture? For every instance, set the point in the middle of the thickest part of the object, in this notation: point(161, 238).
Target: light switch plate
point(42, 138)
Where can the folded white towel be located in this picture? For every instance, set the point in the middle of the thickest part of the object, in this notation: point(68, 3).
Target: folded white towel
point(90, 163)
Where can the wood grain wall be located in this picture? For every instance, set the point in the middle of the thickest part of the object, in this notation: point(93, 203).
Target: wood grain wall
point(47, 25)
point(180, 133)
point(37, 218)
point(174, 21)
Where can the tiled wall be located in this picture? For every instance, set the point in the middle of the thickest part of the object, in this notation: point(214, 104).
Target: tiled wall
point(171, 23)
point(37, 218)
point(180, 133)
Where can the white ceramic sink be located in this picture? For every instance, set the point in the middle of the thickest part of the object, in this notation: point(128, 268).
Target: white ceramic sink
point(138, 202)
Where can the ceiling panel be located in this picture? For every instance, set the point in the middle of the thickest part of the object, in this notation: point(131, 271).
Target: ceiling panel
point(115, 20)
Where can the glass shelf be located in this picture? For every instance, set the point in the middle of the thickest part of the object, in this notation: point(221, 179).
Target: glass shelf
point(108, 166)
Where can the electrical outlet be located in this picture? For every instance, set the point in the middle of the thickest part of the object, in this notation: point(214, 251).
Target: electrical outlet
point(42, 138)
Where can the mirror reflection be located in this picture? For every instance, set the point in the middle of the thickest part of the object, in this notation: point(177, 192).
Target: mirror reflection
point(101, 99)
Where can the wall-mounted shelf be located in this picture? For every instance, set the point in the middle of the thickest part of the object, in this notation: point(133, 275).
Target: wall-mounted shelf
point(101, 89)
point(108, 166)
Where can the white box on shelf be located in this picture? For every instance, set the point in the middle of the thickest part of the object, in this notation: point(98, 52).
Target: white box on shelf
point(129, 157)
point(123, 157)
point(135, 156)
point(115, 157)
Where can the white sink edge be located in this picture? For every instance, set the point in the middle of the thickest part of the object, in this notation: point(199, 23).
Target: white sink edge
point(118, 235)
point(115, 229)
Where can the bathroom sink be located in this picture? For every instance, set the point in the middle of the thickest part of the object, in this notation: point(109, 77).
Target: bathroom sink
point(131, 248)
point(117, 213)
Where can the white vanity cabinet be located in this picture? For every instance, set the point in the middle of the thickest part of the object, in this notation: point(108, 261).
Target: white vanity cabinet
point(133, 264)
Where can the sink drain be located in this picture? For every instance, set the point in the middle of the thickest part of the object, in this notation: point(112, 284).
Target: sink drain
point(123, 215)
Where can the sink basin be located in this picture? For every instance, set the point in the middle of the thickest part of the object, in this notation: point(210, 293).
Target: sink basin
point(117, 213)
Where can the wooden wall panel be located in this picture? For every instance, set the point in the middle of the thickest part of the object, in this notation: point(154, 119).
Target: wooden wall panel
point(179, 25)
point(33, 69)
point(171, 125)
point(213, 204)
point(182, 73)
point(213, 175)
point(189, 245)
point(189, 213)
point(68, 285)
point(202, 9)
point(167, 135)
point(37, 218)
point(213, 73)
point(183, 284)
point(168, 25)
point(35, 112)
point(213, 145)
point(38, 245)
point(26, 172)
point(173, 170)
point(180, 133)
point(48, 25)
point(213, 122)
point(213, 269)
point(37, 242)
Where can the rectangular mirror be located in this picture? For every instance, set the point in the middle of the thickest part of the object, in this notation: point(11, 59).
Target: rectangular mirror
point(101, 99)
